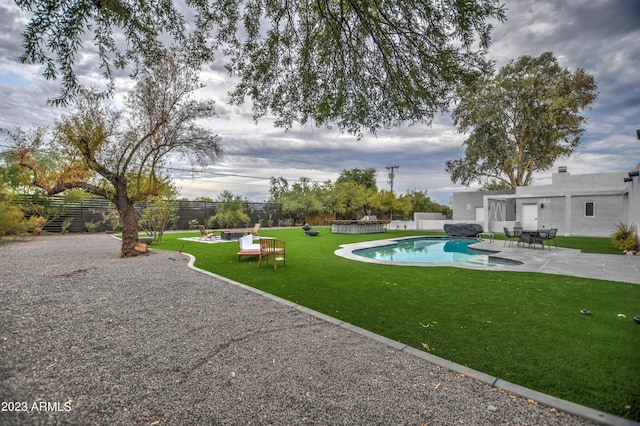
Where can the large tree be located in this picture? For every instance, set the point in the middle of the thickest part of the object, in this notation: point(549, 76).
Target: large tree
point(365, 177)
point(520, 120)
point(360, 65)
point(119, 154)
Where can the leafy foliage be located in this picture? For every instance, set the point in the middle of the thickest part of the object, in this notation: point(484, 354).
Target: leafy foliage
point(93, 151)
point(359, 65)
point(625, 237)
point(230, 212)
point(354, 195)
point(365, 177)
point(157, 216)
point(521, 120)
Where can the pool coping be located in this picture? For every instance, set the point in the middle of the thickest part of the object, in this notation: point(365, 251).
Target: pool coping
point(346, 251)
point(548, 260)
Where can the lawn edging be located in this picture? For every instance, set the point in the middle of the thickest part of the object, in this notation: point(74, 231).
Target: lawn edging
point(495, 382)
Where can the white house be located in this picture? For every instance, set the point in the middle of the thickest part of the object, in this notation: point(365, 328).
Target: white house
point(584, 205)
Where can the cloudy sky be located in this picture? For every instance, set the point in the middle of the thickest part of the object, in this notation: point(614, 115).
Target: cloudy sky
point(600, 36)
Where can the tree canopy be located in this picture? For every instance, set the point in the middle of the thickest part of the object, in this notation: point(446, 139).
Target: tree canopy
point(520, 120)
point(359, 65)
point(118, 154)
point(365, 177)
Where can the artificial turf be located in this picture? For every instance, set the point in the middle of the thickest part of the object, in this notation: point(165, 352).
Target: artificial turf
point(522, 327)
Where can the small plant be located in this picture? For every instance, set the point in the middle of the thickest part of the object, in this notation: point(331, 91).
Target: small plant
point(193, 224)
point(111, 218)
point(157, 216)
point(91, 226)
point(66, 223)
point(625, 237)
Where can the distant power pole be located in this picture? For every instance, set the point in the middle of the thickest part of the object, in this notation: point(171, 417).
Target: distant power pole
point(391, 176)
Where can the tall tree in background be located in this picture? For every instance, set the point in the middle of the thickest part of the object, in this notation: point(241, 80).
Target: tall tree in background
point(92, 152)
point(365, 177)
point(360, 65)
point(521, 120)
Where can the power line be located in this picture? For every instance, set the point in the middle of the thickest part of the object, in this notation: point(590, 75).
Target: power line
point(208, 172)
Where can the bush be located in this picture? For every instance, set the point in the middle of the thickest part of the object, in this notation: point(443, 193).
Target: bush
point(66, 223)
point(12, 221)
point(625, 237)
point(91, 226)
point(111, 218)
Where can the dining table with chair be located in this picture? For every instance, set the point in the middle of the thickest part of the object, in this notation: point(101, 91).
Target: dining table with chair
point(532, 237)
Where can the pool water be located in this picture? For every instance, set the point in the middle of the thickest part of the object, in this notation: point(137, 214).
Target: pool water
point(434, 250)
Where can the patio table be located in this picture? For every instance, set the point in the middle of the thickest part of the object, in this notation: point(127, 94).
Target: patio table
point(531, 237)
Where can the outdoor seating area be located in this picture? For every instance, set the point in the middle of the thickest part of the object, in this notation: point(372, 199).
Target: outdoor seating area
point(206, 234)
point(265, 247)
point(531, 237)
point(235, 234)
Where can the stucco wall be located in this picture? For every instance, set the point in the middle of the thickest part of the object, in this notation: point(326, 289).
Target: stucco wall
point(561, 205)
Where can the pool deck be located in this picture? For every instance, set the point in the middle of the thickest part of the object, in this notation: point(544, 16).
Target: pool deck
point(560, 261)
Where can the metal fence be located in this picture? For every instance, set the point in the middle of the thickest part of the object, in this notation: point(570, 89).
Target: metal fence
point(92, 211)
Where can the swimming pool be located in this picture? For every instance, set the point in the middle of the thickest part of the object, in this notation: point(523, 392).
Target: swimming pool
point(433, 250)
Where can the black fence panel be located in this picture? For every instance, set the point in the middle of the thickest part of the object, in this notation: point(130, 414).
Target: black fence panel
point(90, 213)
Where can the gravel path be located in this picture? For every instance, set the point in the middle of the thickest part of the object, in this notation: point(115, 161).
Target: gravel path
point(90, 338)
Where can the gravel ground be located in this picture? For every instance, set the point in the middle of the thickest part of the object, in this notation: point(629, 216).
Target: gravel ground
point(90, 338)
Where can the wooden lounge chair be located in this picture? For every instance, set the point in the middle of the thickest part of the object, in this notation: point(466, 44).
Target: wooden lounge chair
point(206, 235)
point(254, 231)
point(248, 247)
point(272, 247)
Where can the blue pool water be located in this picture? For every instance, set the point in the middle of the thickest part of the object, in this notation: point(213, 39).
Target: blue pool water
point(434, 250)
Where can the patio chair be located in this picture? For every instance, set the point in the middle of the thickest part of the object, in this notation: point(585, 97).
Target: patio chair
point(254, 231)
point(532, 238)
point(517, 230)
point(248, 247)
point(510, 237)
point(551, 236)
point(272, 247)
point(206, 235)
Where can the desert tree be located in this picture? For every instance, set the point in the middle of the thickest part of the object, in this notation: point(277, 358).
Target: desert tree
point(359, 65)
point(520, 120)
point(119, 153)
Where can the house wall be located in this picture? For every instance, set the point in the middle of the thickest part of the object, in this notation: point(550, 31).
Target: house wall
point(634, 199)
point(561, 204)
point(465, 203)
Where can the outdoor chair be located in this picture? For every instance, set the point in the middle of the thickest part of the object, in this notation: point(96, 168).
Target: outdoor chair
point(510, 237)
point(206, 235)
point(248, 247)
point(272, 247)
point(551, 236)
point(532, 238)
point(517, 230)
point(254, 231)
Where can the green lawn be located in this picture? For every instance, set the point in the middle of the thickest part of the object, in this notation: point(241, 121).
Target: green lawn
point(522, 327)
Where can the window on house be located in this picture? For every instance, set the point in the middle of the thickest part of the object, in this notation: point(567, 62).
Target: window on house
point(589, 209)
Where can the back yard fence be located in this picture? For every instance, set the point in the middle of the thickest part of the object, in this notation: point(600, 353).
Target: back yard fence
point(77, 214)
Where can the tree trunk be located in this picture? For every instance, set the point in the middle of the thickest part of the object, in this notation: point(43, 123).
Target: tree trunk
point(129, 217)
